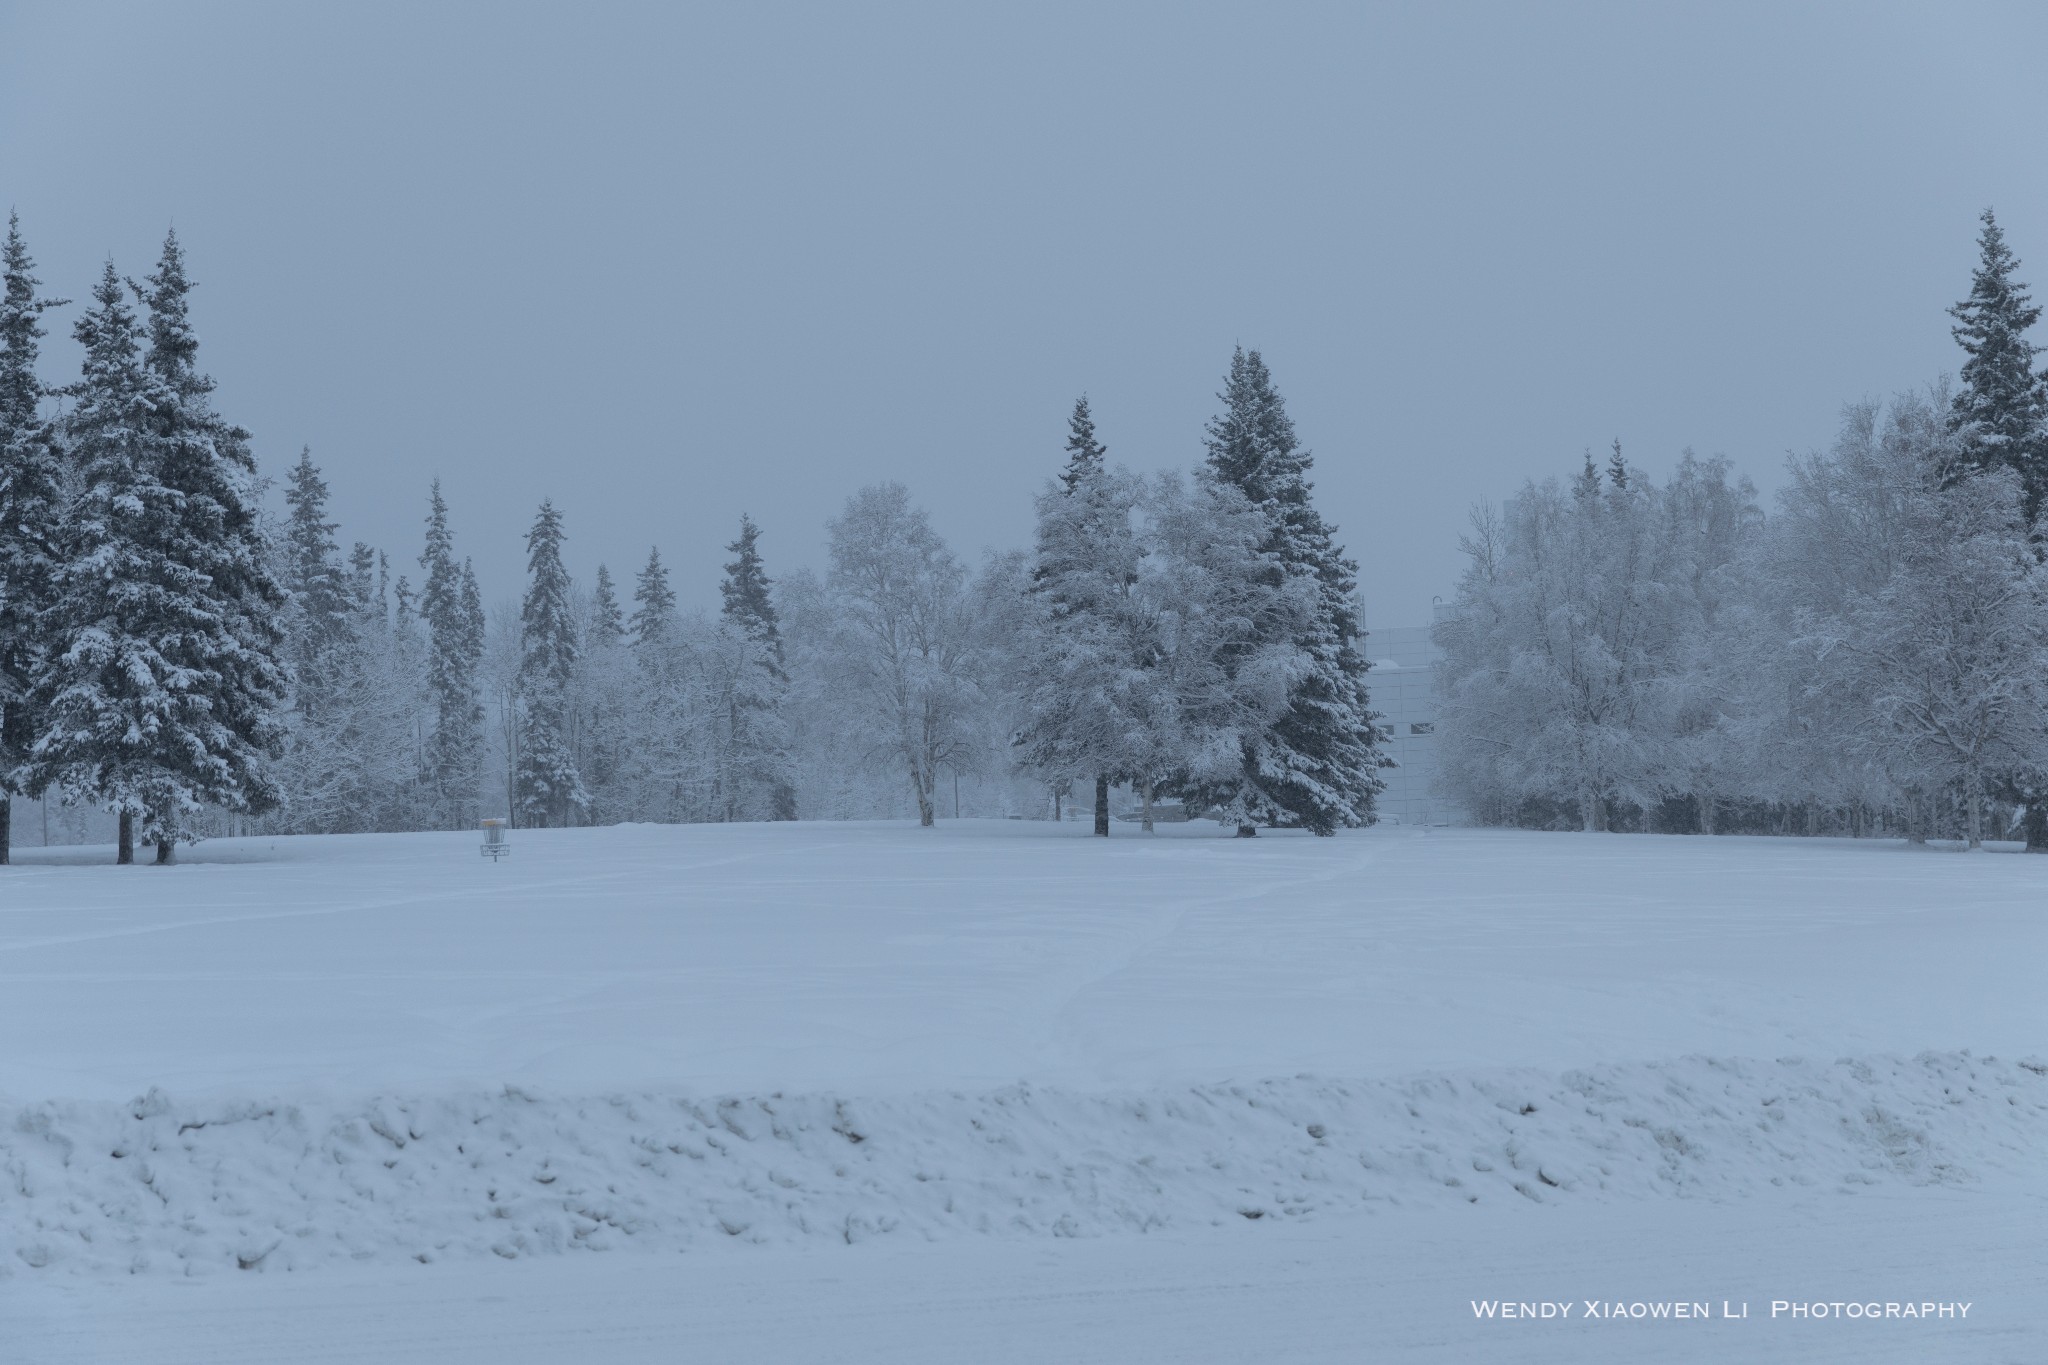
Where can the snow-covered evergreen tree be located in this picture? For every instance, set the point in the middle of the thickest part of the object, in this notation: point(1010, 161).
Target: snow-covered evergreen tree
point(654, 604)
point(163, 686)
point(230, 641)
point(386, 709)
point(2001, 409)
point(550, 790)
point(752, 780)
point(1319, 766)
point(2001, 414)
point(1208, 585)
point(745, 592)
point(607, 622)
point(31, 508)
point(604, 707)
point(453, 759)
point(1088, 650)
point(665, 770)
point(320, 644)
point(1086, 454)
point(313, 571)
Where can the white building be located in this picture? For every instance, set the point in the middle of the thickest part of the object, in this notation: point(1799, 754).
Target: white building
point(1402, 686)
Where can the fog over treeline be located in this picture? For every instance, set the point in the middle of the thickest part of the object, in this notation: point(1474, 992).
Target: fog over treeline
point(720, 257)
point(1623, 653)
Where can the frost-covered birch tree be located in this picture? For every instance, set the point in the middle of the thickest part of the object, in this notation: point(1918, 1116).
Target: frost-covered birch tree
point(898, 657)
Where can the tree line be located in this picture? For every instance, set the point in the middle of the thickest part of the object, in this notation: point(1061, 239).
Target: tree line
point(1870, 657)
point(173, 654)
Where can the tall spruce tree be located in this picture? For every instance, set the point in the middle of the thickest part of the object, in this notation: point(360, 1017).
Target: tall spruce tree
point(1085, 454)
point(324, 607)
point(744, 594)
point(470, 616)
point(163, 686)
point(325, 750)
point(754, 781)
point(550, 789)
point(607, 623)
point(237, 684)
point(665, 763)
point(1085, 562)
point(31, 508)
point(1319, 766)
point(2000, 412)
point(654, 607)
point(2001, 409)
point(97, 693)
point(453, 761)
point(604, 715)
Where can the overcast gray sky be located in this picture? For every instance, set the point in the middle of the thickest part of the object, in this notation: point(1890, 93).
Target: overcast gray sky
point(664, 263)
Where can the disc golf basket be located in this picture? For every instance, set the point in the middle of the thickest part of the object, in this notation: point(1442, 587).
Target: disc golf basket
point(494, 845)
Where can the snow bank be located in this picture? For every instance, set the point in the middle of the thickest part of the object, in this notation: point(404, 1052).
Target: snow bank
point(160, 1186)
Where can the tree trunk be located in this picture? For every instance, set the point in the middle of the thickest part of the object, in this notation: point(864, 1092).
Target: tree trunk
point(1146, 791)
point(166, 850)
point(1102, 805)
point(1055, 805)
point(924, 798)
point(1973, 815)
point(1589, 806)
point(1706, 805)
point(127, 848)
point(6, 828)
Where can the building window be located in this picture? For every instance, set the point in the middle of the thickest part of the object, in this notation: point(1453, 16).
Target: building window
point(1421, 727)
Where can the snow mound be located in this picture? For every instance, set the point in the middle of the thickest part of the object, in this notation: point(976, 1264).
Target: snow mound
point(160, 1186)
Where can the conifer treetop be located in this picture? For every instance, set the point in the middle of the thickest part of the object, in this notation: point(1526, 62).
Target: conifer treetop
point(173, 349)
point(1587, 485)
point(607, 623)
point(1617, 468)
point(547, 629)
point(654, 601)
point(1251, 441)
point(313, 568)
point(1085, 454)
point(21, 333)
point(745, 592)
point(2001, 408)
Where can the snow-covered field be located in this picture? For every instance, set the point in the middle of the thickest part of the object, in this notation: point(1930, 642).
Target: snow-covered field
point(1171, 1098)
